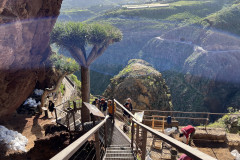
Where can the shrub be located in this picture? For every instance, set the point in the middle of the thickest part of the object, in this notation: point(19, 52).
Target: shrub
point(63, 63)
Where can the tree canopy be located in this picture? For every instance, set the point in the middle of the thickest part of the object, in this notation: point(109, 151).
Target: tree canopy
point(77, 34)
point(75, 37)
point(63, 63)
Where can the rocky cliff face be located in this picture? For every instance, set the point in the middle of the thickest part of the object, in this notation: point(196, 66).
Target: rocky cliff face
point(24, 47)
point(202, 67)
point(143, 84)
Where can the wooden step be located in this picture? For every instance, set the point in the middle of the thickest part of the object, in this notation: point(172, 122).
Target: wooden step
point(119, 158)
point(119, 148)
point(116, 154)
point(118, 151)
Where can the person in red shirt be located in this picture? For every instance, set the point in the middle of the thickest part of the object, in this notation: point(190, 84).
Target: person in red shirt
point(185, 157)
point(185, 132)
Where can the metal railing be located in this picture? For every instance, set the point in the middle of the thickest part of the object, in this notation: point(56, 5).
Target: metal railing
point(141, 133)
point(74, 150)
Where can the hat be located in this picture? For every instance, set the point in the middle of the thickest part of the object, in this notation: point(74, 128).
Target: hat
point(102, 100)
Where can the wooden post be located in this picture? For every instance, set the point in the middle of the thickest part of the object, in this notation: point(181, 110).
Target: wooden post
point(105, 134)
point(173, 154)
point(69, 104)
point(207, 121)
point(144, 144)
point(55, 114)
point(113, 114)
point(74, 106)
point(74, 122)
point(163, 121)
point(93, 118)
point(137, 137)
point(132, 134)
point(67, 119)
point(153, 122)
point(97, 146)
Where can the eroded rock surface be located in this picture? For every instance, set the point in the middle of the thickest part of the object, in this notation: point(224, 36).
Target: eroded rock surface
point(24, 48)
point(200, 67)
point(143, 84)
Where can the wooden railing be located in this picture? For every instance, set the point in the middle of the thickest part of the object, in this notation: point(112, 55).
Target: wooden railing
point(202, 116)
point(69, 151)
point(191, 152)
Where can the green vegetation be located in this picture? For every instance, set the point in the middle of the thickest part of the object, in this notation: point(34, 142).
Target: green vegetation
point(64, 64)
point(226, 19)
point(76, 34)
point(224, 122)
point(76, 37)
point(195, 8)
point(62, 88)
point(187, 3)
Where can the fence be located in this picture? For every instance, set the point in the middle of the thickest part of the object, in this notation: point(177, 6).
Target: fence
point(194, 118)
point(98, 136)
point(141, 135)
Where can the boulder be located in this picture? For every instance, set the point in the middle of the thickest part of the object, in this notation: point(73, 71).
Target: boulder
point(143, 84)
point(24, 48)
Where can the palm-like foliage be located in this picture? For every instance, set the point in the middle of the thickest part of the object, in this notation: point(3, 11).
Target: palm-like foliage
point(78, 35)
point(75, 36)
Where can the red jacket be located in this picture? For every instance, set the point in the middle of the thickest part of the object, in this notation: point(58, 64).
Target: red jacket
point(187, 130)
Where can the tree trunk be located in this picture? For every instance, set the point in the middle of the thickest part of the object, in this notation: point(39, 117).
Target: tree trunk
point(85, 78)
point(48, 91)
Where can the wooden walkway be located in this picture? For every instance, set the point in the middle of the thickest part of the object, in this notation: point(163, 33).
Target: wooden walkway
point(69, 117)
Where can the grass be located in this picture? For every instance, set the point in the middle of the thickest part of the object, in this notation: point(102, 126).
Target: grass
point(223, 122)
point(226, 19)
point(75, 10)
point(197, 8)
point(188, 3)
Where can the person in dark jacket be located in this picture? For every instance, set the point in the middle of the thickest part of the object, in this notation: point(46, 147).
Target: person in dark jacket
point(51, 107)
point(103, 106)
point(96, 103)
point(130, 104)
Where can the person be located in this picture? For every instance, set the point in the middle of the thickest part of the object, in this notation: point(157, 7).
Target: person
point(103, 106)
point(111, 109)
point(96, 102)
point(130, 104)
point(185, 132)
point(184, 157)
point(51, 107)
point(125, 113)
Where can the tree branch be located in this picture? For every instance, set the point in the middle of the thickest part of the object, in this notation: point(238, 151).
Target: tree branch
point(78, 55)
point(54, 89)
point(92, 55)
point(97, 52)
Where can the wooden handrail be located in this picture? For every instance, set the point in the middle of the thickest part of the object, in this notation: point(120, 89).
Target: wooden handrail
point(191, 152)
point(125, 109)
point(139, 110)
point(72, 148)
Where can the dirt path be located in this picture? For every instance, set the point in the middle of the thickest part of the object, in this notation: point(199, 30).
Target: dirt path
point(32, 127)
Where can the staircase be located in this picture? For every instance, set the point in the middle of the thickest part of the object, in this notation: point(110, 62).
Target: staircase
point(119, 152)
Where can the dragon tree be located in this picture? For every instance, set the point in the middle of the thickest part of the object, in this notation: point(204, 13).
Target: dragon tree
point(75, 37)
